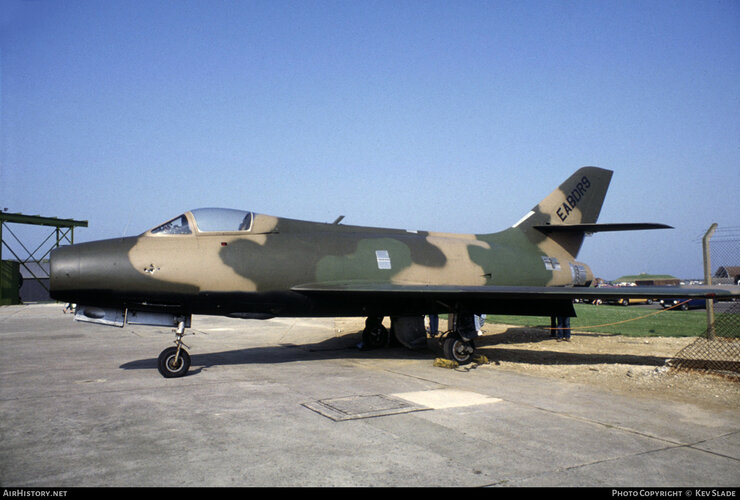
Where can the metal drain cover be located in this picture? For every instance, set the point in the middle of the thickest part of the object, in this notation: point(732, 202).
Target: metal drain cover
point(357, 407)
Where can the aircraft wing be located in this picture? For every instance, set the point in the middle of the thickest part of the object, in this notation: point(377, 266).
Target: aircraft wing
point(508, 293)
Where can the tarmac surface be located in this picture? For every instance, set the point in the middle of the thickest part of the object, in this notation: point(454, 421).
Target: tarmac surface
point(293, 402)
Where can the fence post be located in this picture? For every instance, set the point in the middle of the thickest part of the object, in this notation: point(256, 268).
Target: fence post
point(708, 279)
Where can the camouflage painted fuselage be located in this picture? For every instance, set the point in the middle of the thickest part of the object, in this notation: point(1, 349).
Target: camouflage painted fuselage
point(272, 266)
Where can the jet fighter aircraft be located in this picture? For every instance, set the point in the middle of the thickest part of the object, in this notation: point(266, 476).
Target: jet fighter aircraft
point(248, 265)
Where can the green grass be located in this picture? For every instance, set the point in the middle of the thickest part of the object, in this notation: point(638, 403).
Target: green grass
point(620, 320)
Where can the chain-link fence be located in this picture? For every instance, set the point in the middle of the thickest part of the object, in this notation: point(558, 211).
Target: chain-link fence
point(718, 350)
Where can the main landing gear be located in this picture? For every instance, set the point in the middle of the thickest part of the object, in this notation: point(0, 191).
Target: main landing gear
point(457, 344)
point(455, 348)
point(175, 361)
point(375, 335)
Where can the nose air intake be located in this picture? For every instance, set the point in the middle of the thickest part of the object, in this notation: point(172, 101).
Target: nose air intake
point(89, 272)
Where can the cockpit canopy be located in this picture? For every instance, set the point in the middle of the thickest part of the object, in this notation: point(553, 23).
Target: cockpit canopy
point(222, 219)
point(208, 220)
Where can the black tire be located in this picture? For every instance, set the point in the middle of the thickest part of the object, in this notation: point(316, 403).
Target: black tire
point(459, 350)
point(167, 366)
point(375, 336)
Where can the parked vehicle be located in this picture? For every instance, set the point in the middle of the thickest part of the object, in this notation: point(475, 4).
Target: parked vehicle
point(626, 302)
point(686, 305)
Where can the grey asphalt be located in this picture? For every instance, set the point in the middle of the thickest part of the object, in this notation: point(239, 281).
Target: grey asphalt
point(291, 402)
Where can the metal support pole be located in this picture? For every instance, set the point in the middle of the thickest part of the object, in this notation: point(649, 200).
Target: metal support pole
point(708, 279)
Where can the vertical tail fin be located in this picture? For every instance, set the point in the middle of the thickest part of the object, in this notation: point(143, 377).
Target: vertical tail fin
point(578, 200)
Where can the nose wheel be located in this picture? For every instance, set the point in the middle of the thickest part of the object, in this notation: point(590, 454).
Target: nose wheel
point(174, 361)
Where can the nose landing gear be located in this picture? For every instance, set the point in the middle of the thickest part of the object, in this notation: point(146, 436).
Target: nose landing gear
point(175, 361)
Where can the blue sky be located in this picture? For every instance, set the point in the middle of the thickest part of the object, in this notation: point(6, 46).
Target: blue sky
point(453, 116)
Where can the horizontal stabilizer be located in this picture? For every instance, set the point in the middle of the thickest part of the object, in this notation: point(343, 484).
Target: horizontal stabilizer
point(596, 228)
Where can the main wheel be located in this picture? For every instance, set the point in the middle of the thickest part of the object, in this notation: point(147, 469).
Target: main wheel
point(171, 368)
point(374, 336)
point(457, 349)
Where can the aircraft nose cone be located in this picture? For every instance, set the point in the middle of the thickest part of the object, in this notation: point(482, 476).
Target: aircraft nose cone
point(64, 271)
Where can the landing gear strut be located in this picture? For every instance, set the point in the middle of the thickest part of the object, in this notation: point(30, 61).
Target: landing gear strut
point(175, 361)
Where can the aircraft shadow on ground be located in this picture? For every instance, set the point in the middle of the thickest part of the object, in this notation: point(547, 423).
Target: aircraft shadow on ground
point(346, 346)
point(493, 346)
